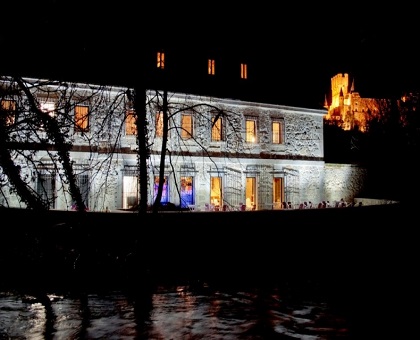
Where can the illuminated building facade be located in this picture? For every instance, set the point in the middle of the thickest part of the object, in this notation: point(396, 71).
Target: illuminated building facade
point(222, 154)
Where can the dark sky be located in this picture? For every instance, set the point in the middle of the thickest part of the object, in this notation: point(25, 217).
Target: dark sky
point(294, 51)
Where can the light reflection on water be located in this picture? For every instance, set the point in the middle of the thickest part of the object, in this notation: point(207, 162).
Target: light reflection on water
point(170, 312)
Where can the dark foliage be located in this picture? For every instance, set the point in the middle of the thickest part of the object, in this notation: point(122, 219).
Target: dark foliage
point(389, 150)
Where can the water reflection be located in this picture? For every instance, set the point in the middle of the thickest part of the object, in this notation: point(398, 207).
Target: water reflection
point(170, 312)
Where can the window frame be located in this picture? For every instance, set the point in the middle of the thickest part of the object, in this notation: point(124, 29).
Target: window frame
point(217, 130)
point(48, 191)
point(83, 181)
point(187, 134)
point(216, 191)
point(278, 191)
point(244, 71)
point(130, 190)
point(159, 124)
point(165, 188)
point(81, 124)
point(130, 122)
point(251, 192)
point(160, 60)
point(254, 130)
point(8, 107)
point(211, 67)
point(49, 107)
point(280, 141)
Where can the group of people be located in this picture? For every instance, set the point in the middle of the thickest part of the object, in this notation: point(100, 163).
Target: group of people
point(324, 204)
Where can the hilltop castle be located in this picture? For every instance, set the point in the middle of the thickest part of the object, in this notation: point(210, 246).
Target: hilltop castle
point(347, 109)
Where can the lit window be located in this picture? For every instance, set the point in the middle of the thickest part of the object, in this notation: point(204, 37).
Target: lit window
point(216, 128)
point(244, 71)
point(165, 189)
point(278, 192)
point(130, 191)
point(81, 118)
point(187, 191)
point(161, 60)
point(250, 191)
point(277, 128)
point(130, 123)
point(159, 124)
point(250, 133)
point(186, 126)
point(216, 191)
point(211, 67)
point(8, 108)
point(48, 107)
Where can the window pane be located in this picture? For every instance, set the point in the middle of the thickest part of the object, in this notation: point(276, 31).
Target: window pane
point(216, 191)
point(45, 187)
point(216, 130)
point(165, 194)
point(187, 193)
point(276, 133)
point(244, 71)
point(211, 67)
point(48, 107)
point(130, 123)
point(81, 118)
point(186, 127)
point(277, 192)
point(84, 186)
point(250, 196)
point(130, 192)
point(9, 111)
point(159, 124)
point(161, 60)
point(250, 131)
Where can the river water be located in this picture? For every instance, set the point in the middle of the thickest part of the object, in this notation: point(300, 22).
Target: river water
point(198, 311)
point(361, 308)
point(355, 278)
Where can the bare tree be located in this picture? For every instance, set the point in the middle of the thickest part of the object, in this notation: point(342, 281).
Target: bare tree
point(207, 116)
point(28, 128)
point(53, 131)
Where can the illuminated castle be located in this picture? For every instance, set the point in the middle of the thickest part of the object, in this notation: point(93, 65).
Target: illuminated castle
point(347, 109)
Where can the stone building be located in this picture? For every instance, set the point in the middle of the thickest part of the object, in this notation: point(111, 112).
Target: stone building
point(222, 154)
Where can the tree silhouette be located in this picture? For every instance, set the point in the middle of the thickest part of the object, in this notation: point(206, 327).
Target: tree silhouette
point(27, 129)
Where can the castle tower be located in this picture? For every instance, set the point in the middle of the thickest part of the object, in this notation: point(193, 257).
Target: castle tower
point(347, 108)
point(339, 88)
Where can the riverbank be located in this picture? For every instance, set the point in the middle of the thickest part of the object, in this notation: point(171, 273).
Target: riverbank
point(60, 246)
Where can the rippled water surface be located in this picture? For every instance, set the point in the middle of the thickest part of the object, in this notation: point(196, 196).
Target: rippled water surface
point(170, 312)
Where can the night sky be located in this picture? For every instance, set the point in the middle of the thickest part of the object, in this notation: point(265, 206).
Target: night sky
point(292, 52)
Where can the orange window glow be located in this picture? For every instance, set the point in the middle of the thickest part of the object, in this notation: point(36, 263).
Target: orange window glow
point(81, 118)
point(244, 71)
point(216, 129)
point(130, 123)
point(8, 110)
point(211, 67)
point(186, 126)
point(159, 124)
point(161, 60)
point(250, 134)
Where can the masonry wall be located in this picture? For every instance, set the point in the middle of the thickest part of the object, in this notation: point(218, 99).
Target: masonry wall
point(343, 181)
point(107, 153)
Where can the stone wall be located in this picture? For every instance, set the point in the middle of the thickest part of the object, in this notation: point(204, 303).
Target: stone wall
point(343, 181)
